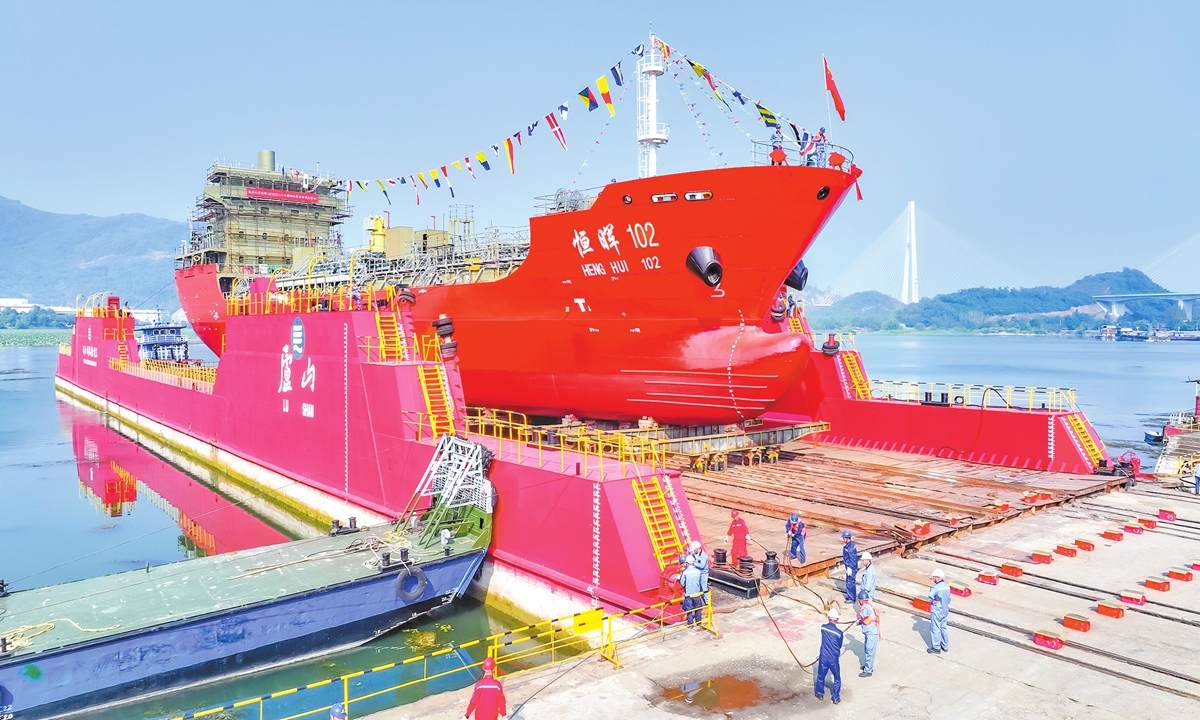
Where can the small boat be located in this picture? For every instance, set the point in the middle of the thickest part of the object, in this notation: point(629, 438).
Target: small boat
point(70, 648)
point(1153, 439)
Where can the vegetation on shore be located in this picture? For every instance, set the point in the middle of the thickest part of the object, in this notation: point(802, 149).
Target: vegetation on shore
point(33, 337)
point(1036, 310)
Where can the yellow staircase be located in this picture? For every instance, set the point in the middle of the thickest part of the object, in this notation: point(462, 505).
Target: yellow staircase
point(391, 339)
point(794, 324)
point(122, 351)
point(659, 523)
point(862, 388)
point(1095, 452)
point(439, 406)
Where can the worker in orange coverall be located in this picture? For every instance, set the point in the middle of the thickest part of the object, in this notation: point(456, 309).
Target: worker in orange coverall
point(487, 702)
point(739, 533)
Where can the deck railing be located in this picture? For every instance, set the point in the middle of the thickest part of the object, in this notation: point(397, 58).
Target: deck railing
point(1013, 397)
point(811, 154)
point(193, 377)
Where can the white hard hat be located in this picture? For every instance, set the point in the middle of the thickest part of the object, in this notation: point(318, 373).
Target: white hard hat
point(833, 613)
point(937, 573)
point(695, 545)
point(866, 556)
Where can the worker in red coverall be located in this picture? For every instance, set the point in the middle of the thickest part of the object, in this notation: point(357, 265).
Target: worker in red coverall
point(739, 533)
point(487, 702)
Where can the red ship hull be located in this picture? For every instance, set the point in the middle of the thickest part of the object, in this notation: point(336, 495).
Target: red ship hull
point(626, 330)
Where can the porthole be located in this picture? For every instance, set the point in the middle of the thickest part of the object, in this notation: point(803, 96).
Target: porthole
point(627, 200)
point(823, 193)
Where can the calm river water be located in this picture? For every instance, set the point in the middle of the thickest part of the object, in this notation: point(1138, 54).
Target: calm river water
point(82, 500)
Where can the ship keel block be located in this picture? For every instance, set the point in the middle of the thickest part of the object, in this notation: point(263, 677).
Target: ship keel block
point(1036, 439)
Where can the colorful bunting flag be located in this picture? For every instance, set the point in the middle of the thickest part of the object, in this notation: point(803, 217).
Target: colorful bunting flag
point(413, 180)
point(360, 185)
point(467, 160)
point(383, 190)
point(618, 77)
point(496, 150)
point(832, 88)
point(662, 46)
point(558, 133)
point(588, 99)
point(446, 177)
point(458, 165)
point(483, 160)
point(508, 149)
point(562, 110)
point(640, 50)
point(602, 86)
point(434, 176)
point(740, 97)
point(531, 127)
point(768, 117)
point(421, 177)
point(517, 135)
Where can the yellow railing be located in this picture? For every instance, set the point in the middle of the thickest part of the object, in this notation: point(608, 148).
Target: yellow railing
point(1015, 397)
point(64, 349)
point(194, 377)
point(560, 445)
point(518, 651)
point(285, 302)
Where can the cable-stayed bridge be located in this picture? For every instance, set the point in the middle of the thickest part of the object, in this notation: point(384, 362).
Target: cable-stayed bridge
point(917, 256)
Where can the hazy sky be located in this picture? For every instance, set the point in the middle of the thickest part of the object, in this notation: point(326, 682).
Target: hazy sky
point(1063, 138)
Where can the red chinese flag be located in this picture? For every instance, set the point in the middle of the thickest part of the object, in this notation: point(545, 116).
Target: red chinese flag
point(831, 86)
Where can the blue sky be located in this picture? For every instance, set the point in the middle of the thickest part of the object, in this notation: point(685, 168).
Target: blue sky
point(1059, 137)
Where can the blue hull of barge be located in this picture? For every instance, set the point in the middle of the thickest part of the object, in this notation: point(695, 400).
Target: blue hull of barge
point(113, 669)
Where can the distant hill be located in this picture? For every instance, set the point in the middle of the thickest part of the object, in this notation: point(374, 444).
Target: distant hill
point(49, 258)
point(1036, 309)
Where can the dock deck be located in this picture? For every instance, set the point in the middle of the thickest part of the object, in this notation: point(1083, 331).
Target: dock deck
point(882, 497)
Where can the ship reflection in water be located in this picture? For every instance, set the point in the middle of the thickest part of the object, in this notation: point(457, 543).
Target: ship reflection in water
point(120, 477)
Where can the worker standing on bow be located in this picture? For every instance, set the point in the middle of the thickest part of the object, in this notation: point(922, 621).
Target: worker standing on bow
point(829, 661)
point(796, 532)
point(867, 582)
point(939, 612)
point(850, 560)
point(868, 620)
point(739, 534)
point(487, 700)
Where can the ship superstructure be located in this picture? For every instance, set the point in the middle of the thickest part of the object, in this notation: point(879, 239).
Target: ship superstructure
point(255, 220)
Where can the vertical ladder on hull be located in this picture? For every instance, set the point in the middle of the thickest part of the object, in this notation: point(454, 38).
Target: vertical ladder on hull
point(122, 351)
point(664, 537)
point(437, 402)
point(391, 340)
point(1094, 452)
point(862, 389)
point(794, 324)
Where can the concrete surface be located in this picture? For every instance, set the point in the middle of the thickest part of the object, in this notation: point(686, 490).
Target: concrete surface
point(994, 672)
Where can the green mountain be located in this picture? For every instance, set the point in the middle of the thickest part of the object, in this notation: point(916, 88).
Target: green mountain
point(1036, 309)
point(49, 258)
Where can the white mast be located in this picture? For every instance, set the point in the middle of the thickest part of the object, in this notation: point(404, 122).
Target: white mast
point(650, 132)
point(912, 244)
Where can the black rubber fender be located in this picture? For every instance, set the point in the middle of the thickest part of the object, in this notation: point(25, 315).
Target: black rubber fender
point(402, 579)
point(407, 296)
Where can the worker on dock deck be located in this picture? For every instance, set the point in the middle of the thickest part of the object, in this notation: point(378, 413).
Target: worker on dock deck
point(487, 700)
point(337, 711)
point(939, 612)
point(796, 532)
point(696, 552)
point(693, 593)
point(868, 620)
point(867, 582)
point(850, 560)
point(829, 661)
point(739, 534)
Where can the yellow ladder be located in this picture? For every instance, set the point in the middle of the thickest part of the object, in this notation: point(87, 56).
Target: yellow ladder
point(391, 340)
point(659, 523)
point(122, 351)
point(440, 407)
point(795, 325)
point(1095, 452)
point(862, 389)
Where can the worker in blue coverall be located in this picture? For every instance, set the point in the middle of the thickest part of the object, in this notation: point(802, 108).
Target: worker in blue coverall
point(868, 620)
point(867, 581)
point(701, 558)
point(850, 560)
point(693, 592)
point(939, 612)
point(796, 532)
point(829, 660)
